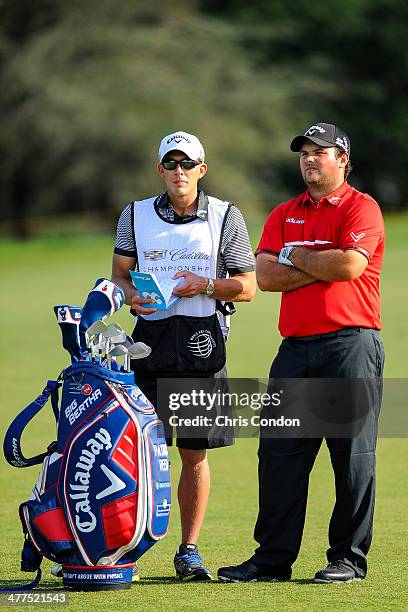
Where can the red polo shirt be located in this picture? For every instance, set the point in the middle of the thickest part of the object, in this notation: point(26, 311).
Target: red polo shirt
point(345, 219)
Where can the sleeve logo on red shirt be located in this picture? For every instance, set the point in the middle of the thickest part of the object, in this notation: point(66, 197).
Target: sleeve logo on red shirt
point(357, 237)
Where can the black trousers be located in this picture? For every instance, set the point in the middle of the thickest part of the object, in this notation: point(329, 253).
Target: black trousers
point(285, 464)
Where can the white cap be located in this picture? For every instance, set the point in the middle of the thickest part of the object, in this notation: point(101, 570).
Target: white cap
point(181, 141)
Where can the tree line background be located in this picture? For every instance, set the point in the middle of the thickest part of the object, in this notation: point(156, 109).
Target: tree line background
point(88, 89)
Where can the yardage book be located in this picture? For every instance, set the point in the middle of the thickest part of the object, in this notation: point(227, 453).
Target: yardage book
point(148, 286)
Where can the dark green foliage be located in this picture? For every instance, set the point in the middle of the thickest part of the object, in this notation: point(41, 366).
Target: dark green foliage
point(357, 48)
point(89, 89)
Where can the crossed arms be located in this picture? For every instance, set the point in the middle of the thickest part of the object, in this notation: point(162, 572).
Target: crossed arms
point(309, 267)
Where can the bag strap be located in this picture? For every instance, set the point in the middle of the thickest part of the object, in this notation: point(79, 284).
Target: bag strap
point(12, 441)
point(30, 562)
point(25, 587)
point(225, 308)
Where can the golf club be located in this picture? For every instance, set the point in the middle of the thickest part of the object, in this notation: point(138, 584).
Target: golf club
point(139, 350)
point(115, 351)
point(94, 330)
point(118, 339)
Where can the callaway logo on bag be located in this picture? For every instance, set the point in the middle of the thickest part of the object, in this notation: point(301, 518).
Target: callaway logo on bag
point(103, 496)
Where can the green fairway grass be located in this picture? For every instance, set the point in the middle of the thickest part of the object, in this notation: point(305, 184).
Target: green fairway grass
point(36, 276)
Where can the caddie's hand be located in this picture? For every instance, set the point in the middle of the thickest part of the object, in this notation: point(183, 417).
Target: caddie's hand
point(138, 305)
point(284, 256)
point(192, 285)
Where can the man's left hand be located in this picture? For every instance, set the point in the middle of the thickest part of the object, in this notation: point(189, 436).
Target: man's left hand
point(193, 284)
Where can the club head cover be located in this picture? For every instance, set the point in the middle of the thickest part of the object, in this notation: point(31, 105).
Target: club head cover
point(68, 318)
point(103, 301)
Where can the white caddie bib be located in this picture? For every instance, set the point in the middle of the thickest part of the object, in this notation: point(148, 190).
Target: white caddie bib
point(165, 248)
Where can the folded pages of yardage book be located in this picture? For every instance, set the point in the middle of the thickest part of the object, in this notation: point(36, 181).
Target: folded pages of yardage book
point(161, 292)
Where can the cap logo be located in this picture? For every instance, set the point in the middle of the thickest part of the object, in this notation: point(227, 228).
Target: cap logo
point(342, 142)
point(178, 138)
point(313, 129)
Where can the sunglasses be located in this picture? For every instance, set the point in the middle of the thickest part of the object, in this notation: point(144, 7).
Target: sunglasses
point(185, 164)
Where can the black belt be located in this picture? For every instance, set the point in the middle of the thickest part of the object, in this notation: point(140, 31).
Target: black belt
point(339, 332)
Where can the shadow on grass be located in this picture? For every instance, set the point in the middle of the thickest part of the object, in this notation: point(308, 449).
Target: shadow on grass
point(151, 580)
point(147, 581)
point(157, 580)
point(53, 585)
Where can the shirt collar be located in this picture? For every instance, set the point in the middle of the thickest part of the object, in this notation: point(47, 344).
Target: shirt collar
point(165, 207)
point(333, 198)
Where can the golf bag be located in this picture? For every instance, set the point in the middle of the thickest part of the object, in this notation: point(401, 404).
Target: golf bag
point(102, 498)
point(103, 494)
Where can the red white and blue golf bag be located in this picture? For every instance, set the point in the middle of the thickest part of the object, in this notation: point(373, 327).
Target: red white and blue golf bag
point(103, 494)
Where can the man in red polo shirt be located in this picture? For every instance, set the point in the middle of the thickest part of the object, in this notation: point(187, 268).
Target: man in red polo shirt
point(323, 250)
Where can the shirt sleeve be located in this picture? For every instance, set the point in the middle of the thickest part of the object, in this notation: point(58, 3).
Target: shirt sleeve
point(363, 227)
point(272, 236)
point(125, 238)
point(236, 248)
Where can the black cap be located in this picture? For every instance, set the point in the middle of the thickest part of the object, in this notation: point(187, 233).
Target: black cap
point(325, 135)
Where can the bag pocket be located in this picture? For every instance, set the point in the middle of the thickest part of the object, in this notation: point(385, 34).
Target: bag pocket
point(158, 480)
point(48, 528)
point(181, 345)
